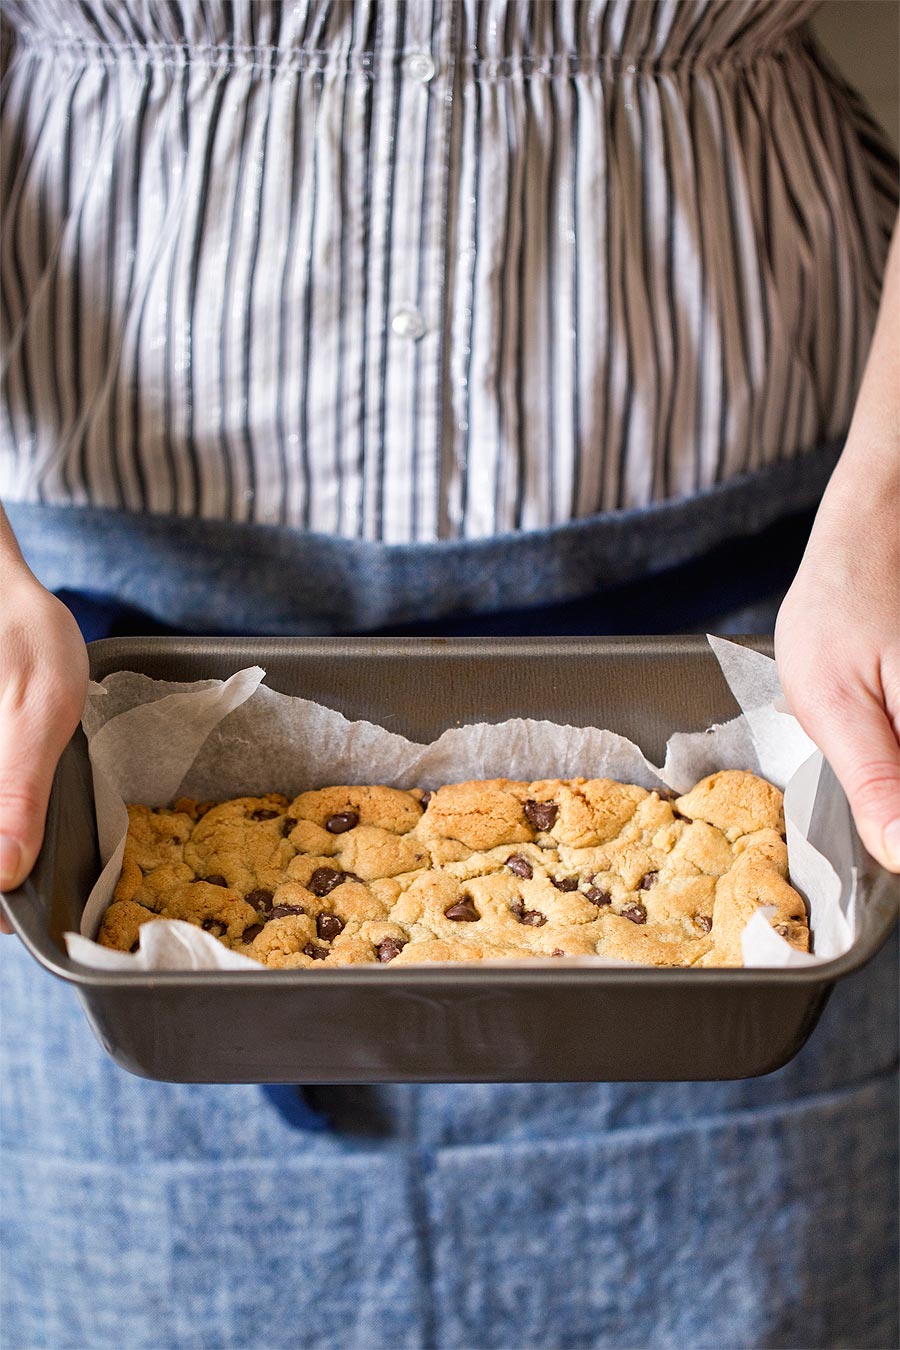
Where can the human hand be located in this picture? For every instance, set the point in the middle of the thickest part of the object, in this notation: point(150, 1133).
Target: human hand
point(43, 683)
point(837, 641)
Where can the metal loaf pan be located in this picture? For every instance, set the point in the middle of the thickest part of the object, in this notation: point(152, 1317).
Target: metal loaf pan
point(382, 1024)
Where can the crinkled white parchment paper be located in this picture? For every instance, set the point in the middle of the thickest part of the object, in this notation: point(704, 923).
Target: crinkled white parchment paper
point(152, 741)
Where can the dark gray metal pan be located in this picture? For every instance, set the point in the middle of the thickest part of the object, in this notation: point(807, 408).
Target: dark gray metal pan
point(382, 1024)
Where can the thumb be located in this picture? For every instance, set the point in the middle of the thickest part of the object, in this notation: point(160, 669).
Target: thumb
point(27, 763)
point(43, 679)
point(856, 736)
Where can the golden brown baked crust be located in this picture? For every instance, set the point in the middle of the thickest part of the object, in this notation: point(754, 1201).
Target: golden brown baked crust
point(473, 871)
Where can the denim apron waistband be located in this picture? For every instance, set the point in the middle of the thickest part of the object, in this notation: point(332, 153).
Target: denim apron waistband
point(212, 576)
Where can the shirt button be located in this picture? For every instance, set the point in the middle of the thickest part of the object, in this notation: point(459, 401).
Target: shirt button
point(408, 323)
point(420, 66)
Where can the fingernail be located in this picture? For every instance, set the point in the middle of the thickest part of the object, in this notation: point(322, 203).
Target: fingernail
point(10, 862)
point(892, 841)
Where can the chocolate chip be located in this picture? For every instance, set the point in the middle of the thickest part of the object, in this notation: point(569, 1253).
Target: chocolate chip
point(324, 880)
point(317, 953)
point(636, 913)
point(521, 866)
point(530, 917)
point(328, 926)
point(423, 802)
point(250, 933)
point(217, 927)
point(343, 821)
point(288, 825)
point(214, 880)
point(783, 837)
point(134, 946)
point(598, 897)
point(542, 815)
point(388, 948)
point(703, 922)
point(648, 880)
point(679, 816)
point(261, 900)
point(667, 795)
point(262, 813)
point(565, 883)
point(557, 951)
point(463, 911)
point(282, 911)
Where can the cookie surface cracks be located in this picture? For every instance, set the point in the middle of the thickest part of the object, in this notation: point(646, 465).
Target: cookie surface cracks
point(470, 871)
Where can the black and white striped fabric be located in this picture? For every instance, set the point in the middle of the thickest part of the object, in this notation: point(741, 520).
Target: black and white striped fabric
point(417, 271)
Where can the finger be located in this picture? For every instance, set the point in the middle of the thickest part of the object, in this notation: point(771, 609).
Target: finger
point(27, 765)
point(856, 736)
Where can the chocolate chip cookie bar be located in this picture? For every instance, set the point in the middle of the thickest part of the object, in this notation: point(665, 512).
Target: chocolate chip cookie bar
point(470, 872)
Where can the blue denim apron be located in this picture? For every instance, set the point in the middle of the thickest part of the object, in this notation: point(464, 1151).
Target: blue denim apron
point(684, 1215)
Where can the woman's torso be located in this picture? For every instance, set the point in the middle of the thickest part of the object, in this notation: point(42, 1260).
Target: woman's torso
point(426, 271)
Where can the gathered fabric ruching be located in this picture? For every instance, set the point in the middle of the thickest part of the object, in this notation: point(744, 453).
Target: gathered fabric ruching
point(407, 272)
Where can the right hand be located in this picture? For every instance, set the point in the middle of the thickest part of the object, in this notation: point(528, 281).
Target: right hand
point(43, 685)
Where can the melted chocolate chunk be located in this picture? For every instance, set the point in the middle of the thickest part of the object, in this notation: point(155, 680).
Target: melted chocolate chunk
point(317, 953)
point(263, 813)
point(542, 815)
point(647, 880)
point(636, 913)
point(288, 825)
point(323, 881)
point(598, 897)
point(388, 948)
point(134, 946)
point(521, 866)
point(530, 917)
point(343, 821)
point(463, 911)
point(679, 816)
point(328, 926)
point(282, 911)
point(565, 883)
point(217, 927)
point(703, 922)
point(423, 802)
point(250, 933)
point(261, 900)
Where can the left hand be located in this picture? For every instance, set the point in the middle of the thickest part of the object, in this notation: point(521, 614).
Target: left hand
point(837, 641)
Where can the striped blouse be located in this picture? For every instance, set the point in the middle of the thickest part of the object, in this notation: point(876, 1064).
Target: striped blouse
point(417, 270)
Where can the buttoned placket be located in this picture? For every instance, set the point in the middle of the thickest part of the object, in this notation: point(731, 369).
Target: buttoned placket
point(416, 347)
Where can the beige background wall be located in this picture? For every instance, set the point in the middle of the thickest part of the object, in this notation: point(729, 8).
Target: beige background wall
point(863, 39)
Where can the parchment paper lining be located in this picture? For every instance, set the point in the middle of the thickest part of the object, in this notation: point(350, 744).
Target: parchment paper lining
point(151, 741)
